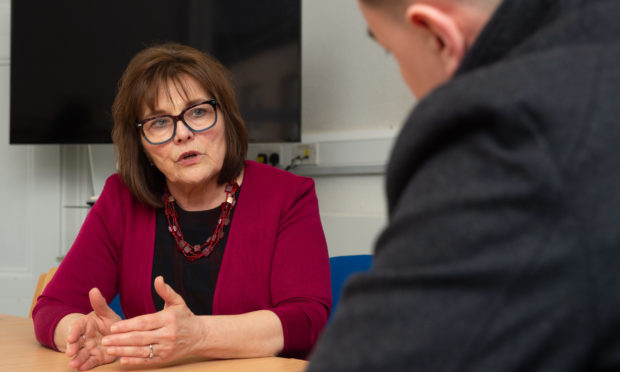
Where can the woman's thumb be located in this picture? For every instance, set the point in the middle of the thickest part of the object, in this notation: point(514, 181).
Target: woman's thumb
point(99, 304)
point(166, 293)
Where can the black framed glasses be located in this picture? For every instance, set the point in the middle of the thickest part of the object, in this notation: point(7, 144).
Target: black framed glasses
point(162, 128)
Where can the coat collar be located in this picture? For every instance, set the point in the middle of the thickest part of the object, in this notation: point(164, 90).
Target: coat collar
point(513, 24)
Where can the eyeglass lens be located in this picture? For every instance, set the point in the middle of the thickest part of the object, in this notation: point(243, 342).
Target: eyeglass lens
point(198, 118)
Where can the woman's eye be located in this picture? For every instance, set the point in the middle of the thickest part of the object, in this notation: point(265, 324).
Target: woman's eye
point(198, 112)
point(159, 123)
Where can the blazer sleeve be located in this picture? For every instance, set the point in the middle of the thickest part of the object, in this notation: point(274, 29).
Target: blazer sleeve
point(91, 262)
point(300, 277)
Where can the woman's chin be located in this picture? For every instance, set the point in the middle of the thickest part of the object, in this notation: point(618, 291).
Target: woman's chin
point(191, 179)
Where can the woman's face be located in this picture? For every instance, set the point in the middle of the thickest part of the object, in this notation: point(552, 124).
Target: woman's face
point(189, 159)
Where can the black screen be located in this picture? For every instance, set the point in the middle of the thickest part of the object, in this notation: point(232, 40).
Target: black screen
point(68, 55)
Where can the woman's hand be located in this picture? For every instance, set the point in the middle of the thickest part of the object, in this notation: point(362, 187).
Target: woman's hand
point(174, 332)
point(85, 334)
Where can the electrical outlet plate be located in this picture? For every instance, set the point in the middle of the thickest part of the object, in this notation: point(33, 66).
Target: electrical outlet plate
point(307, 152)
point(266, 149)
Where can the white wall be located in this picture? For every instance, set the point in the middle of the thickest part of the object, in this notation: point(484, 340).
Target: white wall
point(353, 103)
point(351, 87)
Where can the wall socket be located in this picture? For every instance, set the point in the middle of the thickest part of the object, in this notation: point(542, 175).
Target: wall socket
point(256, 152)
point(308, 152)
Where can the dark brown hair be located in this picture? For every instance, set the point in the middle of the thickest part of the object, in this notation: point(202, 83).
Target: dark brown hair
point(149, 71)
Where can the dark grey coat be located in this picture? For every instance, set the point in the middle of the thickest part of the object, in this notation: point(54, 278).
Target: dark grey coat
point(503, 247)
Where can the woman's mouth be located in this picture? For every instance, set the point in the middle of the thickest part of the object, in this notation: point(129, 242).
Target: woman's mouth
point(188, 156)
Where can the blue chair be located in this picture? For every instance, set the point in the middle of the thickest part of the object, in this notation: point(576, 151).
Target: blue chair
point(116, 306)
point(341, 268)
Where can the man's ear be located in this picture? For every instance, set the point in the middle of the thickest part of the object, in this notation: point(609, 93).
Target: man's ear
point(444, 35)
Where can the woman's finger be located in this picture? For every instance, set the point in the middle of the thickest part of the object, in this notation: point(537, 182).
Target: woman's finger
point(90, 363)
point(73, 348)
point(76, 330)
point(76, 336)
point(131, 361)
point(80, 358)
point(131, 351)
point(136, 338)
point(140, 323)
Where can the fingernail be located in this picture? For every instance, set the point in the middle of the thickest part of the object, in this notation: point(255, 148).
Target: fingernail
point(105, 341)
point(113, 328)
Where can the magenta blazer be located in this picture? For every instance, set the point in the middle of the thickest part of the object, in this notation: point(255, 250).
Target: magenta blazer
point(276, 258)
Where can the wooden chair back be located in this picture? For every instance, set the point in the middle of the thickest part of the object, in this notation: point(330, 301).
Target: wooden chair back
point(43, 280)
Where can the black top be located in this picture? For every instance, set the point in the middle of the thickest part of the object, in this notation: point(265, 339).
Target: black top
point(194, 281)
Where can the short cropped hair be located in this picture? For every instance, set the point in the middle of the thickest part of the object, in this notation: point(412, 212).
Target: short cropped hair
point(149, 71)
point(399, 4)
point(395, 4)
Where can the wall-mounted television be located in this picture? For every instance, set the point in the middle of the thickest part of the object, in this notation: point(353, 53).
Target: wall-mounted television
point(68, 55)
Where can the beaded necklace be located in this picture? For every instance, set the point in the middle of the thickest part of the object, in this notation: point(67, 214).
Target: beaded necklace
point(194, 252)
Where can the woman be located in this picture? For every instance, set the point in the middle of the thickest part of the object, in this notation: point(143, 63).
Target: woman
point(239, 244)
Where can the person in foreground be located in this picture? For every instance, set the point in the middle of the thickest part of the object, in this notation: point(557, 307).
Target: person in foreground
point(211, 255)
point(502, 251)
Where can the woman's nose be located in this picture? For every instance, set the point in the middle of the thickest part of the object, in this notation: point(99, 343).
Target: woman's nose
point(183, 133)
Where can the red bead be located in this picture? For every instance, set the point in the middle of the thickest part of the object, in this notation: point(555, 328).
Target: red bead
point(196, 251)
